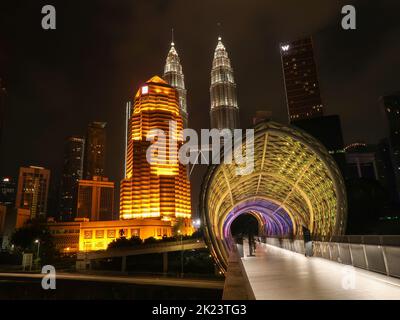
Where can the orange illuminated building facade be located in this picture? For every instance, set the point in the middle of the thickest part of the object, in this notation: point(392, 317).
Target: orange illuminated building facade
point(154, 195)
point(156, 189)
point(85, 235)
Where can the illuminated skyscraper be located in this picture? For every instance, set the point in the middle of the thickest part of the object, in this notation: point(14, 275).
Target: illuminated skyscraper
point(224, 107)
point(33, 189)
point(72, 173)
point(158, 189)
point(303, 96)
point(95, 149)
point(173, 74)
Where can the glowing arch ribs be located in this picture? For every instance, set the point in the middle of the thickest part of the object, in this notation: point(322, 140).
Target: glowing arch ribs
point(295, 183)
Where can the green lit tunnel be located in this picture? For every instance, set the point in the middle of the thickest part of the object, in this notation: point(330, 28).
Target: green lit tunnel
point(295, 183)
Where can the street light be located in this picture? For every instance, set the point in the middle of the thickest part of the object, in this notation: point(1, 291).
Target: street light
point(179, 232)
point(38, 251)
point(197, 223)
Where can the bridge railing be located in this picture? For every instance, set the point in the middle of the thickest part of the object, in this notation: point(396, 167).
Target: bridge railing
point(374, 253)
point(295, 245)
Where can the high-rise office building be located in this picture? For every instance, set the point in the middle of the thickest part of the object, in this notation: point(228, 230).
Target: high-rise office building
point(95, 149)
point(173, 74)
point(158, 188)
point(224, 111)
point(8, 213)
point(8, 192)
point(385, 166)
point(328, 130)
point(2, 107)
point(300, 76)
point(33, 189)
point(391, 106)
point(72, 173)
point(95, 199)
point(371, 162)
point(361, 161)
point(3, 212)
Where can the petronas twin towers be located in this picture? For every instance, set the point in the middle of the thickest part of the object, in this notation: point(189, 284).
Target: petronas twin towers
point(224, 111)
point(173, 74)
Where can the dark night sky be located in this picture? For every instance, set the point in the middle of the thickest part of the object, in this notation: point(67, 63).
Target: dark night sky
point(102, 51)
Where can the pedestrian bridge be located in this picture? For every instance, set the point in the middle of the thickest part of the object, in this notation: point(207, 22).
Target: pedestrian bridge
point(295, 184)
point(275, 273)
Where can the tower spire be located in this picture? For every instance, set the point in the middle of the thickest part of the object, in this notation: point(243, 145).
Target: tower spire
point(173, 74)
point(224, 111)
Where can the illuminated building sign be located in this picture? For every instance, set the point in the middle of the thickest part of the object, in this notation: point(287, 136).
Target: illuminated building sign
point(285, 48)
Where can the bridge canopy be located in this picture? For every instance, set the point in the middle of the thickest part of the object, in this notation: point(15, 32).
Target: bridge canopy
point(295, 183)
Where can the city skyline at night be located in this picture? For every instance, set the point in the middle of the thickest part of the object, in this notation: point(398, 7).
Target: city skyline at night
point(190, 150)
point(261, 43)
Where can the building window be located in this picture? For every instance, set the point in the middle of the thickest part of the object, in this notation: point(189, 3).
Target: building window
point(135, 232)
point(99, 234)
point(88, 234)
point(110, 233)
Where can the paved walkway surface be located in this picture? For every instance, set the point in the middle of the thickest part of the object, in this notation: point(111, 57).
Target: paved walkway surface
point(275, 273)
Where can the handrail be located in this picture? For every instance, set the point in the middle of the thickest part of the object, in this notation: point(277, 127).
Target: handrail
point(383, 257)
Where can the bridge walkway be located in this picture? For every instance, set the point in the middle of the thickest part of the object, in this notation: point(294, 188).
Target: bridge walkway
point(275, 273)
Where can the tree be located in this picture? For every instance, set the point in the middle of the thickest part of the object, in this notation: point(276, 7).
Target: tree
point(198, 234)
point(24, 240)
point(150, 240)
point(125, 243)
point(168, 239)
point(178, 227)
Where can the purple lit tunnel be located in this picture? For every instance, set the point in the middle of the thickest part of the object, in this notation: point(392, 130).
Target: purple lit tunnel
point(273, 219)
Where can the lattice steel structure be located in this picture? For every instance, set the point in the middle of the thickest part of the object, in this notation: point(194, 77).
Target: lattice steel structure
point(224, 111)
point(159, 189)
point(295, 183)
point(173, 74)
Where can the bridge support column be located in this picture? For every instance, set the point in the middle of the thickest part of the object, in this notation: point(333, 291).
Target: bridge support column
point(165, 262)
point(123, 264)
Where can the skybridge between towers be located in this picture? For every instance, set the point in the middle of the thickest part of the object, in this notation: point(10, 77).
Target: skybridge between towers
point(295, 191)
